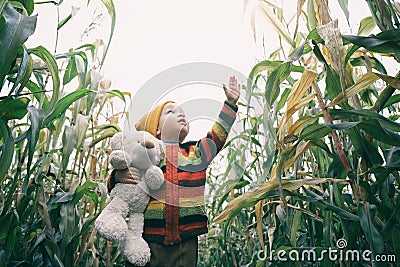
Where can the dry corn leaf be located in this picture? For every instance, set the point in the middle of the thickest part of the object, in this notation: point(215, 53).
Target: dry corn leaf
point(295, 101)
point(252, 16)
point(395, 83)
point(297, 105)
point(300, 4)
point(299, 151)
point(301, 87)
point(322, 13)
point(366, 80)
point(82, 123)
point(273, 171)
point(259, 215)
point(250, 198)
point(316, 217)
point(300, 124)
point(253, 23)
point(280, 28)
point(271, 231)
point(93, 166)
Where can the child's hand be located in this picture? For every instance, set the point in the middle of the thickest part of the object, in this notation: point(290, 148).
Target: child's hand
point(128, 176)
point(233, 91)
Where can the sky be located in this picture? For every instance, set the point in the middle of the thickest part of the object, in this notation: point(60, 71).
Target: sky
point(152, 37)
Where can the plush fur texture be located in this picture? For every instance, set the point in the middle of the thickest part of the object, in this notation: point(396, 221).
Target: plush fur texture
point(143, 151)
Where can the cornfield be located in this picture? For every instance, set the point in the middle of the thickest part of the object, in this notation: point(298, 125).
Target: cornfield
point(314, 168)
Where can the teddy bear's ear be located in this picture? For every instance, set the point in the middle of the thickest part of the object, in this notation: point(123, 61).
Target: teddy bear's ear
point(116, 141)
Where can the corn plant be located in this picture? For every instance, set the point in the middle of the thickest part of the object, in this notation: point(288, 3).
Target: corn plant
point(317, 162)
point(57, 114)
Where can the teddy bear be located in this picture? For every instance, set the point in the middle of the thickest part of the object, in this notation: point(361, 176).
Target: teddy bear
point(143, 151)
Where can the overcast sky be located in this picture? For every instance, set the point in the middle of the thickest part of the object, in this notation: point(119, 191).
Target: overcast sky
point(153, 36)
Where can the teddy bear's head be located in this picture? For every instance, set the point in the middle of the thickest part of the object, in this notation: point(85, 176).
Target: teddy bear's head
point(141, 149)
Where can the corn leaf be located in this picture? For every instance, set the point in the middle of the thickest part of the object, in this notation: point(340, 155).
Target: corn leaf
point(275, 78)
point(69, 141)
point(314, 132)
point(374, 62)
point(36, 118)
point(385, 42)
point(294, 229)
point(11, 108)
point(24, 72)
point(366, 26)
point(6, 150)
point(64, 21)
point(311, 15)
point(366, 80)
point(62, 105)
point(259, 215)
point(38, 94)
point(276, 23)
point(366, 214)
point(344, 5)
point(300, 124)
point(86, 189)
point(51, 63)
point(109, 4)
point(375, 129)
point(13, 34)
point(299, 151)
point(250, 198)
point(300, 4)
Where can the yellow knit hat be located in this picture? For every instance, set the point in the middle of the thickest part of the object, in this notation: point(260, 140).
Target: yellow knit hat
point(149, 122)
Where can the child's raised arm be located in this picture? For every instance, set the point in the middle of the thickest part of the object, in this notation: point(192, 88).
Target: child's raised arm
point(216, 138)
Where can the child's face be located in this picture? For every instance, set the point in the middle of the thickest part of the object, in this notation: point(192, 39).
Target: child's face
point(172, 125)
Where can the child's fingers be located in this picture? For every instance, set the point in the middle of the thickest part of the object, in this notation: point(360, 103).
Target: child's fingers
point(129, 181)
point(134, 170)
point(132, 179)
point(134, 175)
point(233, 80)
point(128, 176)
point(225, 88)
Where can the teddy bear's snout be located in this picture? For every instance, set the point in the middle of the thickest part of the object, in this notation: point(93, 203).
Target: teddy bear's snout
point(147, 144)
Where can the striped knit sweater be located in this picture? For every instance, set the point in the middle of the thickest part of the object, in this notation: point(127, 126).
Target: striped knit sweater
point(176, 210)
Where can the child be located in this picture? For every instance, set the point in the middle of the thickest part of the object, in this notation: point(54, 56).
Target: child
point(175, 214)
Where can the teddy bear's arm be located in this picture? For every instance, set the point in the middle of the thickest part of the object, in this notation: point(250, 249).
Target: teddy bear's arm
point(154, 177)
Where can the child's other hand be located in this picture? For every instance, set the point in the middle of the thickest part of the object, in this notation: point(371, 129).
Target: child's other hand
point(232, 92)
point(128, 176)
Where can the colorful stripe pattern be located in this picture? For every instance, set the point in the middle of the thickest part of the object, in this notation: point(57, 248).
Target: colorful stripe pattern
point(176, 210)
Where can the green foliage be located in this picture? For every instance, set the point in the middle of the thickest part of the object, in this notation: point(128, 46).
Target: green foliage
point(13, 34)
point(317, 160)
point(52, 188)
point(319, 153)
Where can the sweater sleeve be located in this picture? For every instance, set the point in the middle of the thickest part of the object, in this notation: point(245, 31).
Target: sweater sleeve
point(210, 145)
